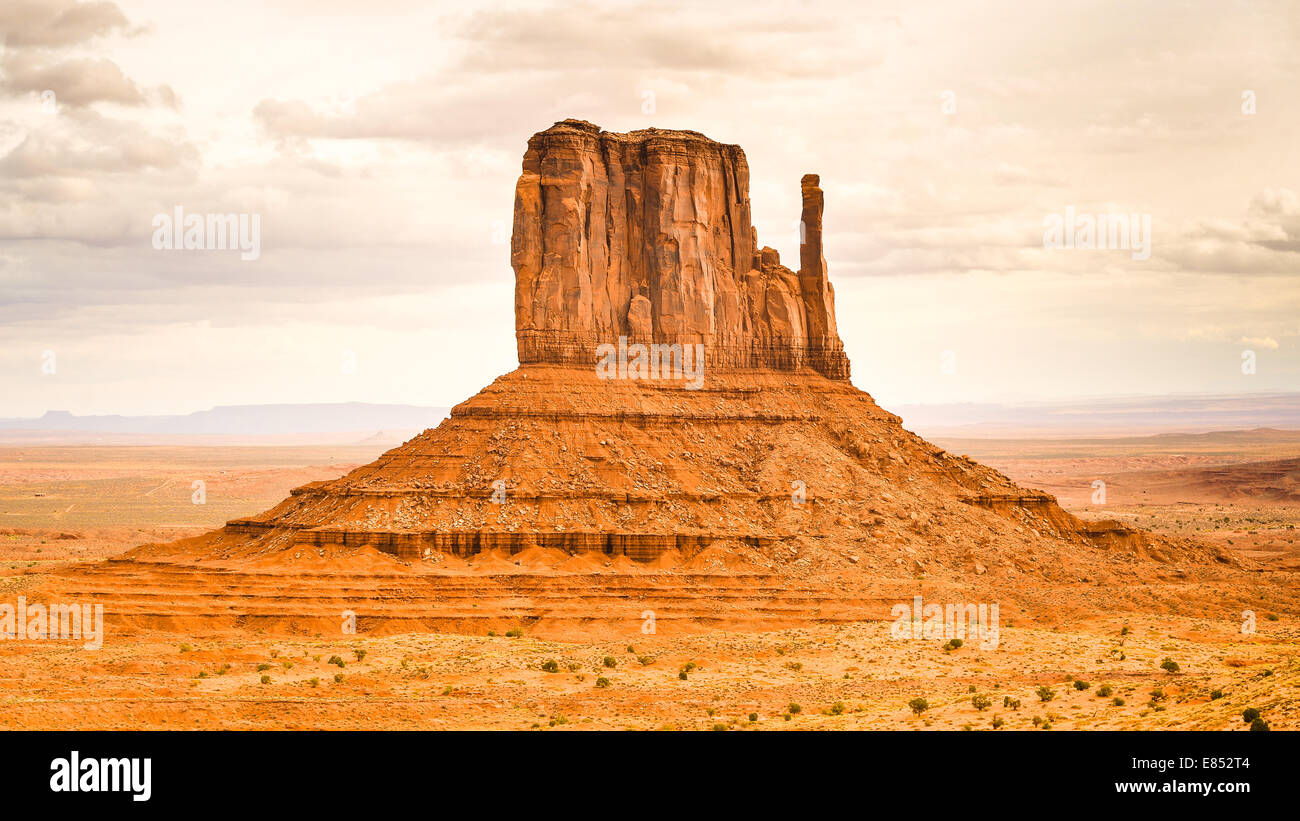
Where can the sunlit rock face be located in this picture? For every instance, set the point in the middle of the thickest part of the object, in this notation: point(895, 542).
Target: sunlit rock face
point(648, 236)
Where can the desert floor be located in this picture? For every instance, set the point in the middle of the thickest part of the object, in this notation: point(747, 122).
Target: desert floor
point(83, 503)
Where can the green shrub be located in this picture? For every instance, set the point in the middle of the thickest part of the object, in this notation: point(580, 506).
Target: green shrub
point(794, 709)
point(610, 661)
point(753, 717)
point(837, 708)
point(1169, 664)
point(981, 702)
point(1259, 725)
point(918, 705)
point(1249, 714)
point(1081, 685)
point(1104, 691)
point(266, 679)
point(550, 666)
point(1215, 695)
point(1046, 693)
point(337, 660)
point(602, 682)
point(997, 722)
point(360, 654)
point(1117, 701)
point(515, 632)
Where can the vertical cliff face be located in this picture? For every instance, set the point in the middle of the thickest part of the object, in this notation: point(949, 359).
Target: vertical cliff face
point(648, 236)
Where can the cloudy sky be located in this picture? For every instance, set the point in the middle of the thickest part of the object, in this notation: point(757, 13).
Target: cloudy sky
point(379, 142)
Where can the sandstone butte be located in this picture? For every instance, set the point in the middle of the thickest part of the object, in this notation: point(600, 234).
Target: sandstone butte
point(775, 494)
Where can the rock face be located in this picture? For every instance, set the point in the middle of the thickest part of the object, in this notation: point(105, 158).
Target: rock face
point(647, 236)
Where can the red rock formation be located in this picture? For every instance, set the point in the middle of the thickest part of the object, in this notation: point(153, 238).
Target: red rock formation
point(777, 468)
point(647, 236)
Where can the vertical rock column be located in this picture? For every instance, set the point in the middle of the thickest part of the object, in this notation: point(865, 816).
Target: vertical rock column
point(825, 351)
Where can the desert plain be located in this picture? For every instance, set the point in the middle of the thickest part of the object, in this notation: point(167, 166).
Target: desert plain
point(1061, 663)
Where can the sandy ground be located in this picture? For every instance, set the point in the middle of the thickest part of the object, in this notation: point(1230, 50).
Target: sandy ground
point(80, 504)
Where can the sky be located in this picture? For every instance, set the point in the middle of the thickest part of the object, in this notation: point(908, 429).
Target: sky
point(378, 144)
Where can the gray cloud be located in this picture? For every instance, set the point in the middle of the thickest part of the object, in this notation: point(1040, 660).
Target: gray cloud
point(58, 23)
point(79, 82)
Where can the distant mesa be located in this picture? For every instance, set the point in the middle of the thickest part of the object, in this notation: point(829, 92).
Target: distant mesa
point(243, 420)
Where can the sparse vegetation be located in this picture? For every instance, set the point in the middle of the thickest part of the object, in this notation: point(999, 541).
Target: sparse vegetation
point(981, 702)
point(1045, 693)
